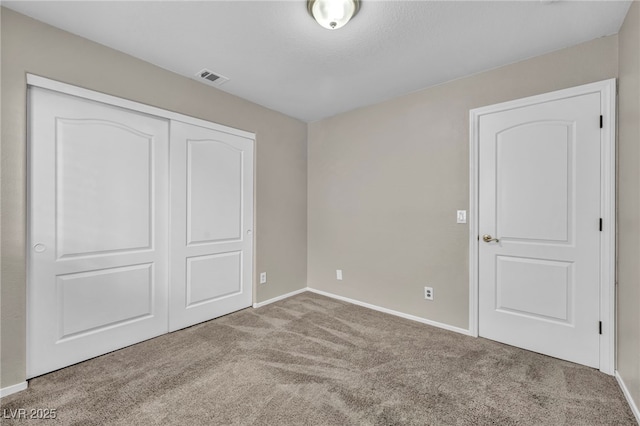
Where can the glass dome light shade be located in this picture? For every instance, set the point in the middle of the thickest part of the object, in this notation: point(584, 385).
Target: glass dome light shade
point(333, 14)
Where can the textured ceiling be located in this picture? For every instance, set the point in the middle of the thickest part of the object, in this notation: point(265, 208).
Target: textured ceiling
point(275, 54)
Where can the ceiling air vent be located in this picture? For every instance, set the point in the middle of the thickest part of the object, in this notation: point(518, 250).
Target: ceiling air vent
point(210, 77)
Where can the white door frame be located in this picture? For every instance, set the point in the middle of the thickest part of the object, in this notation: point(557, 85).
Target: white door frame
point(57, 86)
point(607, 91)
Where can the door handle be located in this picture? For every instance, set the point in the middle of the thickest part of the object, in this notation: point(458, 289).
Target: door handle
point(488, 238)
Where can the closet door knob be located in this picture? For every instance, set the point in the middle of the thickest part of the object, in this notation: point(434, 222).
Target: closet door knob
point(39, 248)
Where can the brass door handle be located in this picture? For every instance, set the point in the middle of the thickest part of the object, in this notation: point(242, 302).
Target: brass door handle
point(488, 238)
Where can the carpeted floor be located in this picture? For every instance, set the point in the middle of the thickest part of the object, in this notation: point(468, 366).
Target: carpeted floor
point(311, 360)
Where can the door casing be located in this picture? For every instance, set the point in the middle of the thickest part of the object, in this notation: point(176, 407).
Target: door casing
point(607, 91)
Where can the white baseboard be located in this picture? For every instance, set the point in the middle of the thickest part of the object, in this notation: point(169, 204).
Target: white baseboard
point(370, 306)
point(12, 389)
point(627, 395)
point(275, 299)
point(392, 312)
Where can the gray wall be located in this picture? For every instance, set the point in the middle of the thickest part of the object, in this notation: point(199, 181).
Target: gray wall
point(385, 183)
point(281, 157)
point(629, 203)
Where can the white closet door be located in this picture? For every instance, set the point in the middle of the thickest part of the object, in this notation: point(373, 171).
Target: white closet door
point(98, 229)
point(211, 224)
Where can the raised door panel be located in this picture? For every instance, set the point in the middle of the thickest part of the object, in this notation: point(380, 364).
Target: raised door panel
point(535, 288)
point(534, 179)
point(93, 301)
point(212, 277)
point(214, 191)
point(104, 187)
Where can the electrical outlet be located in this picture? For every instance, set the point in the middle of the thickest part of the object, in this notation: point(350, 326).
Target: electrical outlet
point(339, 274)
point(428, 293)
point(263, 277)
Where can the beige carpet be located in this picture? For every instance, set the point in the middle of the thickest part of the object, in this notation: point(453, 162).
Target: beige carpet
point(310, 360)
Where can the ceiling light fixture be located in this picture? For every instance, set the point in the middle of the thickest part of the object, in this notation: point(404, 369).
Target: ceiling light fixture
point(333, 14)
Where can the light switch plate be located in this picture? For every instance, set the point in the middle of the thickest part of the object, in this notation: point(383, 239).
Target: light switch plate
point(461, 216)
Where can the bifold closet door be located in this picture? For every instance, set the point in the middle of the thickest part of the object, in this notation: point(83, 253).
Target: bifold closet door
point(98, 213)
point(211, 224)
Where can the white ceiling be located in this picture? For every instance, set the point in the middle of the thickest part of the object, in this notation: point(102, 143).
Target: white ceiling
point(276, 55)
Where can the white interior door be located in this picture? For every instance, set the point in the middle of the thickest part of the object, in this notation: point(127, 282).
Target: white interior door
point(211, 224)
point(98, 229)
point(539, 197)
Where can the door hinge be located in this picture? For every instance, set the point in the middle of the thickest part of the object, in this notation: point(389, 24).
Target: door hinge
point(601, 119)
point(600, 224)
point(600, 327)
